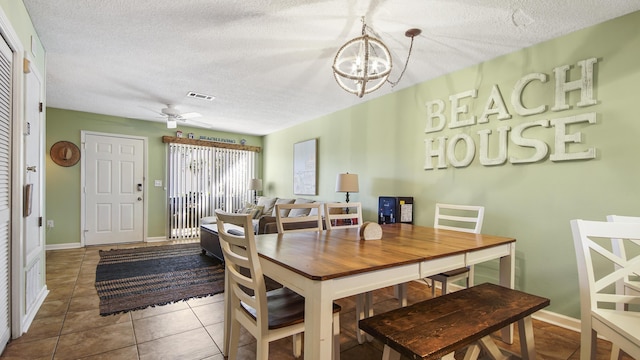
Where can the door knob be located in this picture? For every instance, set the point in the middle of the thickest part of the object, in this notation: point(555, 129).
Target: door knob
point(139, 198)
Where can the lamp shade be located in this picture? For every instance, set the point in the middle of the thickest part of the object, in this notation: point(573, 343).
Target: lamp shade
point(347, 183)
point(255, 184)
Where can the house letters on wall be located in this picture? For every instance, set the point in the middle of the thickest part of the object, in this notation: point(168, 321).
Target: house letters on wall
point(460, 149)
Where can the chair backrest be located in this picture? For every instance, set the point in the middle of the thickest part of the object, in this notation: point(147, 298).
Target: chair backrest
point(617, 244)
point(310, 220)
point(589, 238)
point(239, 251)
point(336, 215)
point(467, 218)
point(618, 247)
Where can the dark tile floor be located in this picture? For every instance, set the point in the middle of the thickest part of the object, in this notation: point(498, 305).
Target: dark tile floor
point(68, 325)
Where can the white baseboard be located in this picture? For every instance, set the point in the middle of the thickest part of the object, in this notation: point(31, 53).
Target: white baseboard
point(63, 246)
point(78, 245)
point(156, 239)
point(556, 319)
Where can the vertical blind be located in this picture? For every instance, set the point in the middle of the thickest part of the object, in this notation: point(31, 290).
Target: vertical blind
point(202, 179)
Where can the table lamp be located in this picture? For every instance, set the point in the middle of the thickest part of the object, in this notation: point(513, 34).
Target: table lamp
point(347, 183)
point(255, 185)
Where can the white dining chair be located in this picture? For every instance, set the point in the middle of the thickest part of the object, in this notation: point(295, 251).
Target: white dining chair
point(343, 215)
point(268, 316)
point(626, 285)
point(300, 217)
point(599, 270)
point(466, 218)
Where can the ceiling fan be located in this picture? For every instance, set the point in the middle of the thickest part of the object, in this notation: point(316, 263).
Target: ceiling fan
point(173, 115)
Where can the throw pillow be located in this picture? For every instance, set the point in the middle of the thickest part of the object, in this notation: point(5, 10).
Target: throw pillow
point(268, 203)
point(285, 213)
point(254, 210)
point(301, 212)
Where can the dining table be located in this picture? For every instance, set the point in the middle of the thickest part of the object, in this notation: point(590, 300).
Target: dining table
point(327, 265)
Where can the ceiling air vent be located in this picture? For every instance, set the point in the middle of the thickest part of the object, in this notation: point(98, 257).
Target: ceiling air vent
point(200, 96)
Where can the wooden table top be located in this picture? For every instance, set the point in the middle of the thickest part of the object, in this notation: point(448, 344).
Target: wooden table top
point(340, 252)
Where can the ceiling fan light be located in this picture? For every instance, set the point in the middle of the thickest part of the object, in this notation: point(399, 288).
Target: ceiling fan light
point(172, 124)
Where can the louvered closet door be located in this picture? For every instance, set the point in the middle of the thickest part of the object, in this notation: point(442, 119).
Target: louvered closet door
point(5, 191)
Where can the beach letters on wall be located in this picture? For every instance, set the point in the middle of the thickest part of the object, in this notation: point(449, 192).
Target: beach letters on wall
point(459, 150)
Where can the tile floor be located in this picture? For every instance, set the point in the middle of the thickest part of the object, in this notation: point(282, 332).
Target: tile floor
point(68, 325)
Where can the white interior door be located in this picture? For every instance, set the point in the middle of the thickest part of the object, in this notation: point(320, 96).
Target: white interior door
point(114, 188)
point(33, 262)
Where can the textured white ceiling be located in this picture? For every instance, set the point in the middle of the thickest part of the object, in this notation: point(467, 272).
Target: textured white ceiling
point(268, 63)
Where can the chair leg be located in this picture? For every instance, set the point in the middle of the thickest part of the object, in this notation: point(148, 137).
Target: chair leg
point(262, 350)
point(368, 303)
point(297, 345)
point(588, 342)
point(444, 287)
point(433, 288)
point(400, 291)
point(361, 306)
point(234, 339)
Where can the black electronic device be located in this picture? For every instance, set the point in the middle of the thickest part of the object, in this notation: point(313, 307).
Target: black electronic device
point(395, 209)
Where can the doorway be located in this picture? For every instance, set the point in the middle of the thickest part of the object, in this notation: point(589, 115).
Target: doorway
point(113, 179)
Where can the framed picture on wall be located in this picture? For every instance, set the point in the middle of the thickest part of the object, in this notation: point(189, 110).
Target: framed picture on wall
point(304, 167)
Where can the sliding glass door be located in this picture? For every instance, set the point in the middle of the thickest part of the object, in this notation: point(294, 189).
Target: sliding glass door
point(202, 179)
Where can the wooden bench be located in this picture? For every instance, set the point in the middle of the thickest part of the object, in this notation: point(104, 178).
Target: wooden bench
point(437, 327)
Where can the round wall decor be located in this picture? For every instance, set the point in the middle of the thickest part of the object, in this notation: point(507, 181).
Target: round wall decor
point(65, 153)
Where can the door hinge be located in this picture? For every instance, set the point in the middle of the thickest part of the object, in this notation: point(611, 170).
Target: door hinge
point(40, 221)
point(41, 107)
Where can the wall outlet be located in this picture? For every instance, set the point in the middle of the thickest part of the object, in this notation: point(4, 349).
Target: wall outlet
point(49, 224)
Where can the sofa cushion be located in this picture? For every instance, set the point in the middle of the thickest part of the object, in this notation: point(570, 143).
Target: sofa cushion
point(282, 201)
point(300, 212)
point(254, 210)
point(268, 203)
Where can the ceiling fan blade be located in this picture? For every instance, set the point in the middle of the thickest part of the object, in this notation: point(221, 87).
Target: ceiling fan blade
point(190, 115)
point(199, 123)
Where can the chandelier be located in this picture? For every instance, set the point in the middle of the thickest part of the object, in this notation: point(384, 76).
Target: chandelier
point(363, 64)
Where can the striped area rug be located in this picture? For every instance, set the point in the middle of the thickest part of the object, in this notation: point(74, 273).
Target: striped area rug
point(132, 279)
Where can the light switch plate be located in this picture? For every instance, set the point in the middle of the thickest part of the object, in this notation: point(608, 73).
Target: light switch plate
point(157, 183)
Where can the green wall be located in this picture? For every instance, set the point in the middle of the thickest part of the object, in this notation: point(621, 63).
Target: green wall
point(63, 183)
point(383, 141)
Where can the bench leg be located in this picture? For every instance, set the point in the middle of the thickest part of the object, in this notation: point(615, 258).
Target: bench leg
point(527, 346)
point(390, 354)
point(491, 348)
point(473, 351)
